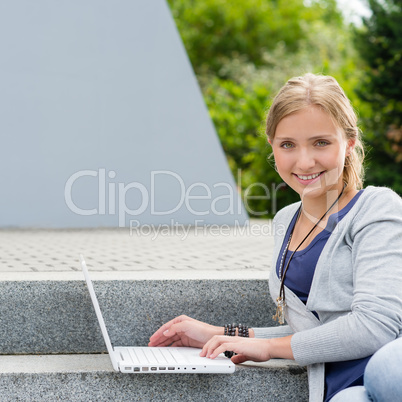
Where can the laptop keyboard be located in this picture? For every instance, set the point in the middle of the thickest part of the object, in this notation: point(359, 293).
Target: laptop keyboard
point(150, 356)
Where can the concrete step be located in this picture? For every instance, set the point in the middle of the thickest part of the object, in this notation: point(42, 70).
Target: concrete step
point(44, 317)
point(91, 378)
point(50, 341)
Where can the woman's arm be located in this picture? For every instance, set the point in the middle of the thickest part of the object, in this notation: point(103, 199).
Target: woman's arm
point(369, 279)
point(186, 331)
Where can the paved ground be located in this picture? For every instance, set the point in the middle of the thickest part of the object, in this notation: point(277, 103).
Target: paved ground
point(143, 253)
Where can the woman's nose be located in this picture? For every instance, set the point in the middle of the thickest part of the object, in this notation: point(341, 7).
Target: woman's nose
point(305, 161)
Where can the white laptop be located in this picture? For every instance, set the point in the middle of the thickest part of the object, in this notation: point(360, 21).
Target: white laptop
point(150, 360)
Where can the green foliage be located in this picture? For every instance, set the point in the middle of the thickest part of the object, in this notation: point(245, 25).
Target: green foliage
point(380, 45)
point(239, 111)
point(216, 31)
point(243, 51)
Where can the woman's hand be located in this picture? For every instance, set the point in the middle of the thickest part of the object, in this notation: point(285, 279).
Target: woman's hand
point(258, 350)
point(184, 331)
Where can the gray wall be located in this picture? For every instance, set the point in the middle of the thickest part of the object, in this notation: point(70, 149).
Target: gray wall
point(102, 120)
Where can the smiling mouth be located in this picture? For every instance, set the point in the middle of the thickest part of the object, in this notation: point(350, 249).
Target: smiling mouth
point(309, 177)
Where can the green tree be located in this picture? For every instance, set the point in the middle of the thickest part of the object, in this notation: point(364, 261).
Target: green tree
point(243, 51)
point(380, 45)
point(217, 31)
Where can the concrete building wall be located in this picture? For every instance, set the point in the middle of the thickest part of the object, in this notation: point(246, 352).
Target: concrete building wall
point(102, 121)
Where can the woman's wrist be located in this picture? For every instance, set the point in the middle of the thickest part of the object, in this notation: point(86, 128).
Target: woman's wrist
point(221, 331)
point(280, 348)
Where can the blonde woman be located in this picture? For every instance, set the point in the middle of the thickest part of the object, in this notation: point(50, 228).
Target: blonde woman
point(337, 270)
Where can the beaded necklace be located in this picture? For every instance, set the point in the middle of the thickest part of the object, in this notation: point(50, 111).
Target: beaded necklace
point(281, 304)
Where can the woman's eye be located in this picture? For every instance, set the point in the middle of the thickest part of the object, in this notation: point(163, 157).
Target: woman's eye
point(287, 145)
point(322, 143)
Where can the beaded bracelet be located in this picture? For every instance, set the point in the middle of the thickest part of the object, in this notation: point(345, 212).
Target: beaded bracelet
point(243, 331)
point(230, 330)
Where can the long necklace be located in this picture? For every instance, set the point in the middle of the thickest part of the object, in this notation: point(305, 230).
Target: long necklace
point(281, 304)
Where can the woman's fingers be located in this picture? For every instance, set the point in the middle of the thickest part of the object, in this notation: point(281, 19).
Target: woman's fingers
point(237, 359)
point(161, 336)
point(168, 342)
point(158, 336)
point(177, 343)
point(168, 335)
point(214, 343)
point(221, 349)
point(167, 325)
point(245, 348)
point(186, 331)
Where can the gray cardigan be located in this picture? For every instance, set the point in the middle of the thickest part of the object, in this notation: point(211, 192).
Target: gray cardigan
point(356, 289)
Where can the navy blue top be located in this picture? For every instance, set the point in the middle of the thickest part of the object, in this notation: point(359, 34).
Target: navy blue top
point(338, 375)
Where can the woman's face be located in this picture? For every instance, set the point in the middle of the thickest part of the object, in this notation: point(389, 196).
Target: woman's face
point(310, 152)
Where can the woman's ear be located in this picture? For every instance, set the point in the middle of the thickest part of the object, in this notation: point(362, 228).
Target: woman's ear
point(350, 147)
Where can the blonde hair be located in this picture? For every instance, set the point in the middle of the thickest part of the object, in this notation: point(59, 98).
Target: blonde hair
point(324, 92)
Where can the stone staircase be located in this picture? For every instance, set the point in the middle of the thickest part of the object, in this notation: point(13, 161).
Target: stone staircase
point(51, 347)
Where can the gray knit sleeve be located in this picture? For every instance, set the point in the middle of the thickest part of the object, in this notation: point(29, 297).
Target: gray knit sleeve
point(363, 274)
point(273, 332)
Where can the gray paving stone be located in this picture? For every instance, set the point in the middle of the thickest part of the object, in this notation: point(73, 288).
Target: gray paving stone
point(173, 250)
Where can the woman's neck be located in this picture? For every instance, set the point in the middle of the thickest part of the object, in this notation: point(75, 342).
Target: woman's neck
point(332, 201)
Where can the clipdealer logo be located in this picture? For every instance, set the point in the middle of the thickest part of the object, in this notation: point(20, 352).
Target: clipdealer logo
point(228, 202)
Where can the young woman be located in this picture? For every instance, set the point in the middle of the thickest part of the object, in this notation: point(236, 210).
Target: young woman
point(337, 270)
